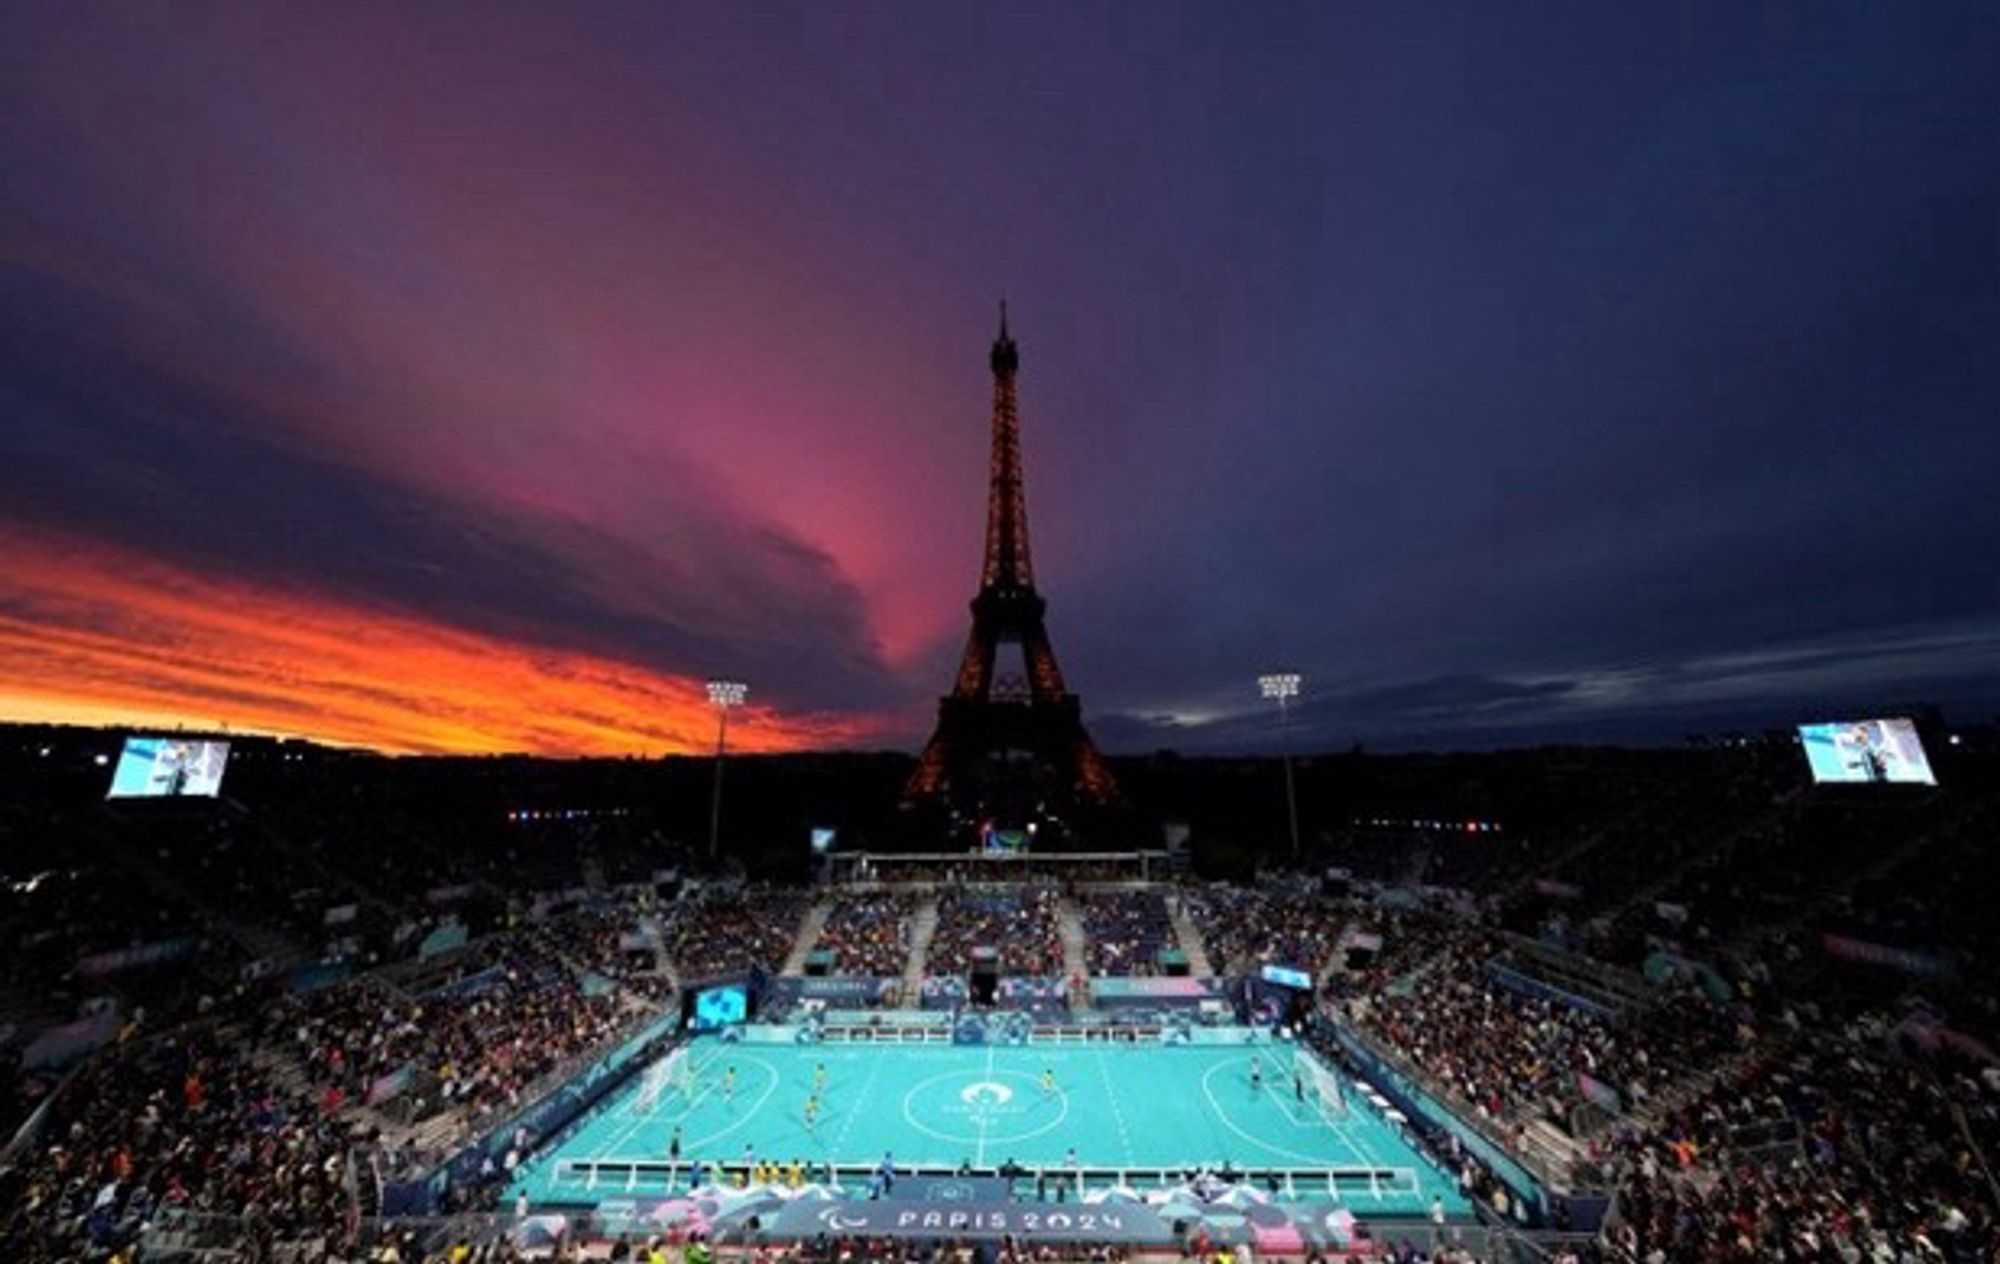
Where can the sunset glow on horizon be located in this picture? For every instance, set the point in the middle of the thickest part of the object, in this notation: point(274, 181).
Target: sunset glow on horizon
point(118, 639)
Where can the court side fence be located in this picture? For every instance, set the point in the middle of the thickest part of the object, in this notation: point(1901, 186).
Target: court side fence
point(1356, 1185)
point(188, 1237)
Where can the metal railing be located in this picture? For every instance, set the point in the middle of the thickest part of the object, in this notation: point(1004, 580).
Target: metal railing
point(180, 1234)
point(1354, 1185)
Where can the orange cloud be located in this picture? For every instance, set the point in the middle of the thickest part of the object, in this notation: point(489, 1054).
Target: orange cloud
point(94, 635)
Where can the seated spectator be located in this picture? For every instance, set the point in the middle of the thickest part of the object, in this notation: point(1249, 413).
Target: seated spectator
point(1021, 923)
point(1125, 931)
point(868, 932)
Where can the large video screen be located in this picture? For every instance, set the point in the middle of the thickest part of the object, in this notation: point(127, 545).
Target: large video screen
point(1866, 750)
point(995, 839)
point(169, 767)
point(720, 1007)
point(1288, 976)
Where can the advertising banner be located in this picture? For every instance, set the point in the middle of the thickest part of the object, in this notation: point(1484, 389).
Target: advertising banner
point(984, 1218)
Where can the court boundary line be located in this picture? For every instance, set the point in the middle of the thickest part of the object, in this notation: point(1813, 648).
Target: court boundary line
point(1117, 1109)
point(610, 1151)
point(854, 1111)
point(1347, 1138)
point(1222, 1113)
point(979, 1155)
point(1416, 1173)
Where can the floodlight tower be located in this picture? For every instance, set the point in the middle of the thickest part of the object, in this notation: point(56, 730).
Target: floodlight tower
point(1284, 686)
point(722, 695)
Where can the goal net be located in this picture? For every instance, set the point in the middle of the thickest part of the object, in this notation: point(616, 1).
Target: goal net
point(671, 1074)
point(1322, 1085)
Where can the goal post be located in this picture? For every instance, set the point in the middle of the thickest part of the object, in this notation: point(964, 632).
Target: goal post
point(671, 1074)
point(1321, 1082)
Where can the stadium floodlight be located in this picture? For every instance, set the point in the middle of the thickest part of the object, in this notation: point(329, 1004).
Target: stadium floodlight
point(722, 695)
point(1282, 687)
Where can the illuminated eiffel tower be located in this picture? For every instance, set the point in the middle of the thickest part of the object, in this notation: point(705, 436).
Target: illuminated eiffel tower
point(1010, 736)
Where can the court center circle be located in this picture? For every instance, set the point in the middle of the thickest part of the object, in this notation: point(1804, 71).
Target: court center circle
point(977, 1105)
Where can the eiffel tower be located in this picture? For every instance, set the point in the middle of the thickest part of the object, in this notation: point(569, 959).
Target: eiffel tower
point(1010, 739)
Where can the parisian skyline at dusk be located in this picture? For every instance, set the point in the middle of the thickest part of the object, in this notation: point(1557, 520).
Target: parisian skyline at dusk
point(485, 378)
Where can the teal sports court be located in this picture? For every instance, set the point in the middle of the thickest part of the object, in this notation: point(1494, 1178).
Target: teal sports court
point(1136, 1116)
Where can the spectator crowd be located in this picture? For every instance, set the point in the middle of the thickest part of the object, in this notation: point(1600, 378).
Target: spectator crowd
point(868, 932)
point(1021, 923)
point(732, 931)
point(1125, 930)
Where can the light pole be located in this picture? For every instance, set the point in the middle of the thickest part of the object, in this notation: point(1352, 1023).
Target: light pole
point(1284, 686)
point(722, 695)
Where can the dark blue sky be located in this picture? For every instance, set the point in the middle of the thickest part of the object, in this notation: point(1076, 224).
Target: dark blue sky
point(1514, 372)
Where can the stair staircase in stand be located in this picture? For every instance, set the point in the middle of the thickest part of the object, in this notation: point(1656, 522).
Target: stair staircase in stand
point(808, 937)
point(1189, 937)
point(922, 926)
point(1076, 961)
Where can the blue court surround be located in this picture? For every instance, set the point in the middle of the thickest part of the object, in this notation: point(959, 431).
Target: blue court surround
point(1122, 1108)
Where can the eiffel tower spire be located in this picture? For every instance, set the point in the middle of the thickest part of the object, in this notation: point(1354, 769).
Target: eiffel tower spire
point(986, 721)
point(1008, 561)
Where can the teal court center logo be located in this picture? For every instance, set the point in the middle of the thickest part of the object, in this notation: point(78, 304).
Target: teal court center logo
point(992, 1106)
point(986, 1095)
point(985, 1104)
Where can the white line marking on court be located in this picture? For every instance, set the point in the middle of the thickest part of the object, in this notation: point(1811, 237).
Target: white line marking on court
point(755, 1107)
point(979, 1159)
point(1361, 1152)
point(632, 1109)
point(640, 1116)
point(866, 1095)
point(1117, 1111)
point(1222, 1113)
point(1347, 1098)
point(689, 1148)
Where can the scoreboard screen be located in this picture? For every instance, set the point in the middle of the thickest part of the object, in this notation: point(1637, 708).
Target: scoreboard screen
point(165, 767)
point(716, 1007)
point(1865, 751)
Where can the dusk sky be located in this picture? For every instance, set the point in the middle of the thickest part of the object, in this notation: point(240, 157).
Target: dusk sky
point(483, 377)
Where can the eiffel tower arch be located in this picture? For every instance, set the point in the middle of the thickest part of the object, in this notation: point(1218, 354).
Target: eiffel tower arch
point(1010, 741)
